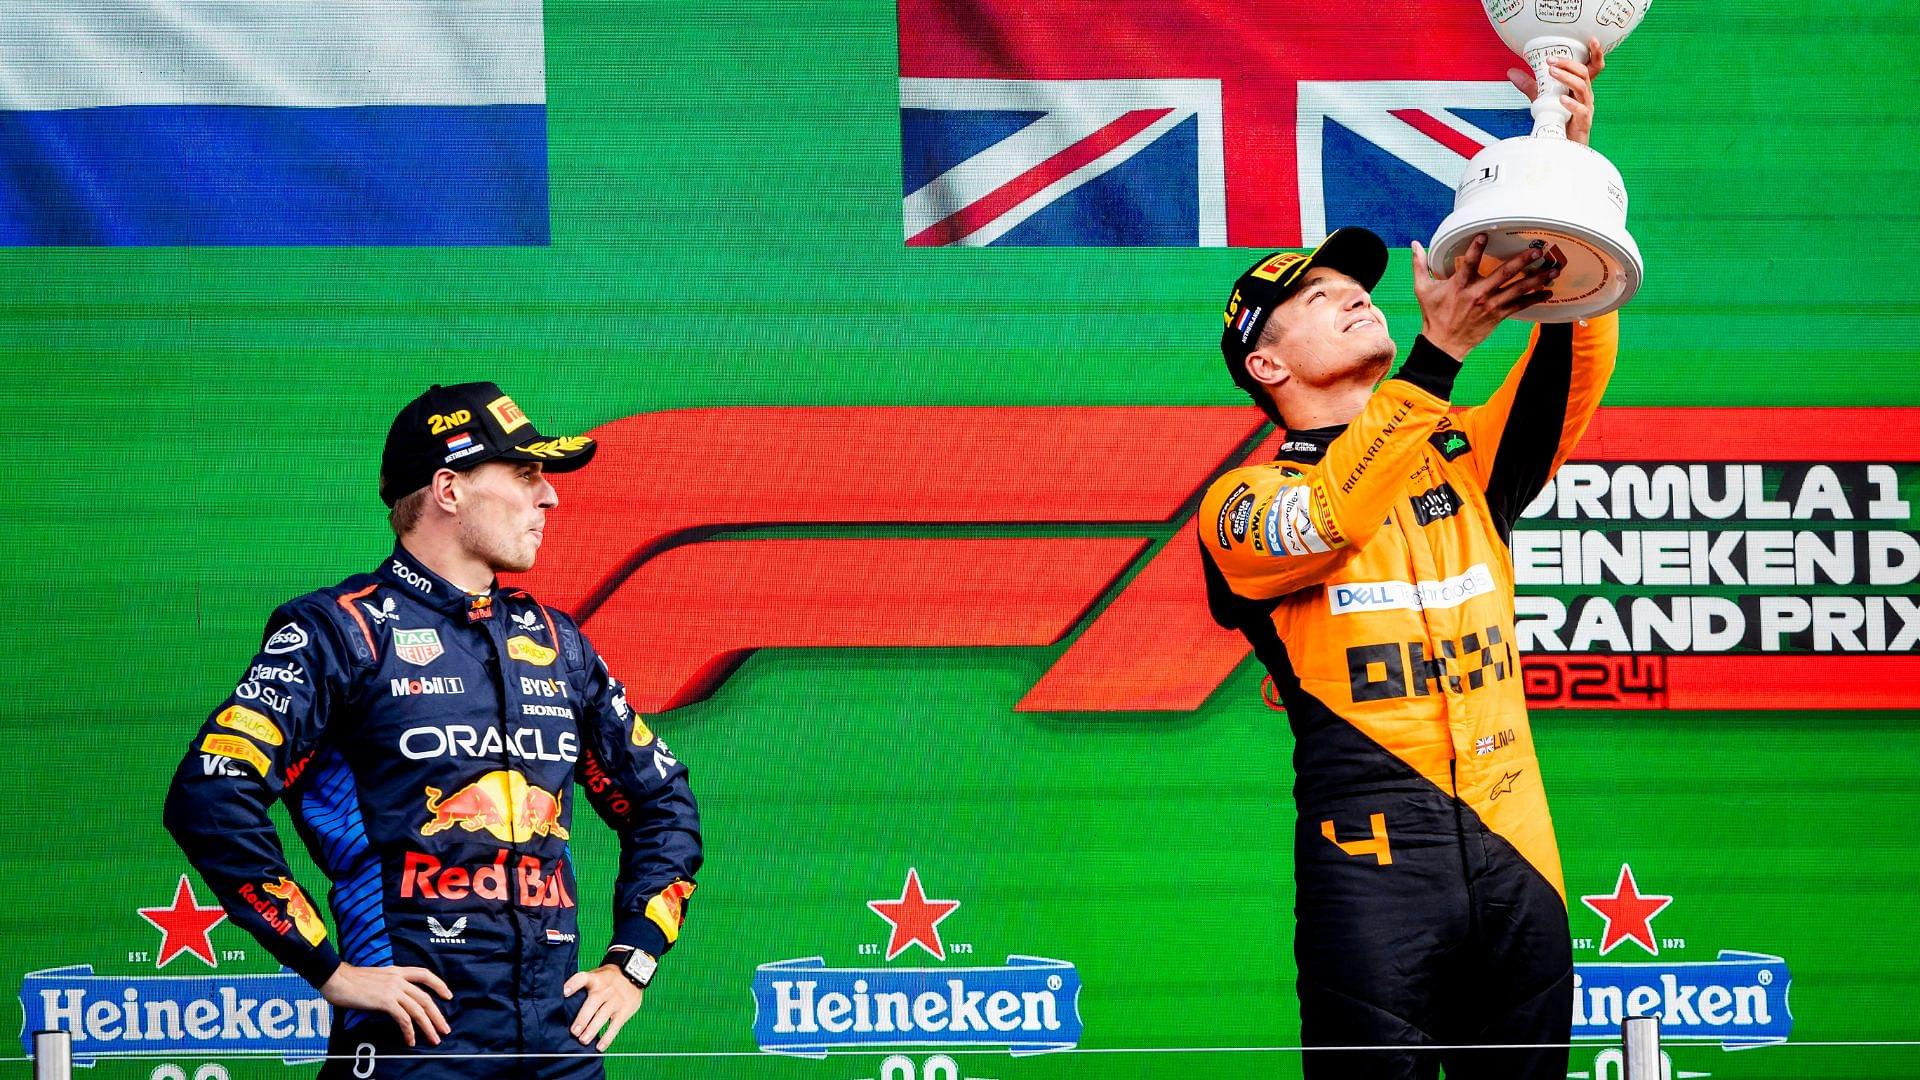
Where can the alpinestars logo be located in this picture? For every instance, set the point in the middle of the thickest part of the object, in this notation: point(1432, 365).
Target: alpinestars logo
point(1029, 1005)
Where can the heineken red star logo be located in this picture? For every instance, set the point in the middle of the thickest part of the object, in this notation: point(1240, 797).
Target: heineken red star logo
point(184, 926)
point(1628, 914)
point(915, 918)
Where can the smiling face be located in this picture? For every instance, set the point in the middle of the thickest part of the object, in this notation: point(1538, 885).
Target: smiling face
point(1327, 334)
point(503, 513)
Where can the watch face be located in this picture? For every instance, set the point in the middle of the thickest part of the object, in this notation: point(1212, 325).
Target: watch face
point(640, 967)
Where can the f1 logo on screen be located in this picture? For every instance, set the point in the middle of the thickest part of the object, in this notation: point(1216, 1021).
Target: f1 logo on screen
point(1700, 514)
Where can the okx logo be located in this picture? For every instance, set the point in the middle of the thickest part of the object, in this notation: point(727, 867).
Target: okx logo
point(807, 1007)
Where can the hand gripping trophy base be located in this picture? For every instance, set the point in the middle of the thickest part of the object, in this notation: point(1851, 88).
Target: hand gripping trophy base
point(1542, 190)
point(1560, 197)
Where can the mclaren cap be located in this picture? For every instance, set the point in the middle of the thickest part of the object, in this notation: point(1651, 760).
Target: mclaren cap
point(1353, 251)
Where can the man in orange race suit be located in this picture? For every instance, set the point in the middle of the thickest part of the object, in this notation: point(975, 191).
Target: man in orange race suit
point(1368, 565)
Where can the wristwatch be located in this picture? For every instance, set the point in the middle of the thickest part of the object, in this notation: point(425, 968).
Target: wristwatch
point(637, 965)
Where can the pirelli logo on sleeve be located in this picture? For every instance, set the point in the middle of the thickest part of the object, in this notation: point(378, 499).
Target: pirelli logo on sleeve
point(1292, 526)
point(233, 746)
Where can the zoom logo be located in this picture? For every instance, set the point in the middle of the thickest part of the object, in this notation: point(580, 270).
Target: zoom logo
point(411, 576)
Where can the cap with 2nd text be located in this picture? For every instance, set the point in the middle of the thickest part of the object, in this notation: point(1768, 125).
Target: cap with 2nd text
point(458, 427)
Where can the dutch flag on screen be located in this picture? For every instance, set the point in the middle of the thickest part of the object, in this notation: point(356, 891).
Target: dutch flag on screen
point(272, 122)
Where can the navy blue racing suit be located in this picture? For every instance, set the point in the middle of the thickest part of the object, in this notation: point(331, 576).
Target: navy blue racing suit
point(426, 742)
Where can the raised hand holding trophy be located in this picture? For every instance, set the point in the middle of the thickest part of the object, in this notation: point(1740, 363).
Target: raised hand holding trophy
point(1543, 190)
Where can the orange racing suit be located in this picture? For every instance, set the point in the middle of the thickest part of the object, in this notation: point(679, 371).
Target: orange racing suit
point(1368, 565)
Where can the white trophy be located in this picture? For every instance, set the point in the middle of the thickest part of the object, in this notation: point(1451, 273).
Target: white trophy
point(1543, 190)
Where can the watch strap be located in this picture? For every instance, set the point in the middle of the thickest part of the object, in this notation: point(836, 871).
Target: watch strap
point(637, 965)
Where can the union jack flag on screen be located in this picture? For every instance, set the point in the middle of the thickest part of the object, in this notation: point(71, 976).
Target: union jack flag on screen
point(1253, 123)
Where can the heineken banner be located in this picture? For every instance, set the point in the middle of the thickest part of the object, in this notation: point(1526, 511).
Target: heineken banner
point(896, 326)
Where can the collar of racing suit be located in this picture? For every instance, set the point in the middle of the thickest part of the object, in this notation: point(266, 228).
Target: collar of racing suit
point(1308, 444)
point(411, 576)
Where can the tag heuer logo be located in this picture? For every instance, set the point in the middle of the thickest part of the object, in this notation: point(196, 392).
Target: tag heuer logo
point(417, 646)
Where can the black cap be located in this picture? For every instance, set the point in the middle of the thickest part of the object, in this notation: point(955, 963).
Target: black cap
point(1353, 251)
point(458, 427)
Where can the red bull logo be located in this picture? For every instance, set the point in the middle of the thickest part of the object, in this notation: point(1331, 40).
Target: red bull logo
point(540, 814)
point(503, 803)
point(529, 885)
point(668, 909)
point(299, 914)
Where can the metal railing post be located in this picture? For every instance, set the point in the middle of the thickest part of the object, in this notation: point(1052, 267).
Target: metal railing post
point(52, 1055)
point(1640, 1041)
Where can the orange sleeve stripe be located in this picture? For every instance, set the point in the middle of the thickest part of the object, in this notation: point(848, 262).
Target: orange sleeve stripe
point(346, 604)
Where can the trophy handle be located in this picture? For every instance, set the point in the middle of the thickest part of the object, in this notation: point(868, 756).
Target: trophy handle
point(1550, 113)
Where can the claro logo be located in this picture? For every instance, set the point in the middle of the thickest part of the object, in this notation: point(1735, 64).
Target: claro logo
point(656, 550)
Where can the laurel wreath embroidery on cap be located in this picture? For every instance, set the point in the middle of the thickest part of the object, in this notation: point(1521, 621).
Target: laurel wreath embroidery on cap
point(565, 444)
